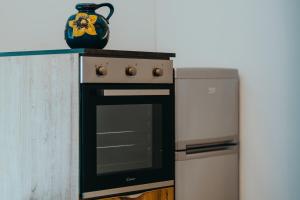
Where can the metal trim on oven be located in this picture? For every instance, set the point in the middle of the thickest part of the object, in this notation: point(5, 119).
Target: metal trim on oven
point(114, 70)
point(133, 92)
point(121, 190)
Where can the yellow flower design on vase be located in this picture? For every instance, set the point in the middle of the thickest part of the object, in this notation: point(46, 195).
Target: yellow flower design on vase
point(82, 24)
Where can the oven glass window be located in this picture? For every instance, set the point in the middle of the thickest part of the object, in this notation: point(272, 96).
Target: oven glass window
point(129, 137)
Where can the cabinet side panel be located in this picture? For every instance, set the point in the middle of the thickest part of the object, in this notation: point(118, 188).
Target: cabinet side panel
point(39, 119)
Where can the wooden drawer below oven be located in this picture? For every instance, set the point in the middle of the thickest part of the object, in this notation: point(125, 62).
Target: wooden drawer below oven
point(159, 194)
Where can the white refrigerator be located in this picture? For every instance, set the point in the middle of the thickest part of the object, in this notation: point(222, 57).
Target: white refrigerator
point(207, 134)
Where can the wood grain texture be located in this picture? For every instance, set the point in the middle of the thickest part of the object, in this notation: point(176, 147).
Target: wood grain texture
point(160, 194)
point(39, 115)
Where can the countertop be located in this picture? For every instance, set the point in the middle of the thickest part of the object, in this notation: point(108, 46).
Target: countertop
point(95, 52)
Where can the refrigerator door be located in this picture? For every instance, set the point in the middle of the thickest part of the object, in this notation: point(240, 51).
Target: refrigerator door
point(210, 177)
point(206, 105)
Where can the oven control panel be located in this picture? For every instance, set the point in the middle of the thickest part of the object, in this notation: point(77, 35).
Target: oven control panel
point(125, 70)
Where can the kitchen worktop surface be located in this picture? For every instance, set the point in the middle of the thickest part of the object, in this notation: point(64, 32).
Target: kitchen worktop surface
point(94, 52)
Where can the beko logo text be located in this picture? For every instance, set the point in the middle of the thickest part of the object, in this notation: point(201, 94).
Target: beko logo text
point(130, 179)
point(212, 90)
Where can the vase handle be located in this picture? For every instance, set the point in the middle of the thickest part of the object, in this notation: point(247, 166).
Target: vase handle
point(111, 9)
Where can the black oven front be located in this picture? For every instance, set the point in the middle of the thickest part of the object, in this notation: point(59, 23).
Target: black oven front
point(127, 133)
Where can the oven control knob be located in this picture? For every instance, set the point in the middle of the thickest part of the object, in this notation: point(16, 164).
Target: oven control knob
point(131, 71)
point(157, 72)
point(101, 71)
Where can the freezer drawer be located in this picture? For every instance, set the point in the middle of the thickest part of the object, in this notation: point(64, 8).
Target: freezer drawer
point(206, 109)
point(214, 177)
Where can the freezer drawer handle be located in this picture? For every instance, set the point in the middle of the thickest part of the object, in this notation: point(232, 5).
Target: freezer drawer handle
point(208, 150)
point(210, 144)
point(211, 148)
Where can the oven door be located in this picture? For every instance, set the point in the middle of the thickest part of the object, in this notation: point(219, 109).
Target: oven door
point(127, 136)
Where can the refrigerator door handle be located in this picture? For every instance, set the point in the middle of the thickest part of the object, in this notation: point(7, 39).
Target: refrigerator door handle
point(206, 152)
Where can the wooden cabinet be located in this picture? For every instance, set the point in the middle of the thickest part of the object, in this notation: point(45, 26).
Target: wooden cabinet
point(39, 117)
point(160, 194)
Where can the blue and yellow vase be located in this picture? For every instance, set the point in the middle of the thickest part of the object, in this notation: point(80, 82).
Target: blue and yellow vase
point(87, 29)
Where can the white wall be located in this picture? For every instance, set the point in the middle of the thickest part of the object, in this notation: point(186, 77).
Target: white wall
point(259, 37)
point(39, 24)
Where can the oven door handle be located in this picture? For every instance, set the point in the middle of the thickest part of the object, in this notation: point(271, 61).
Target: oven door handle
point(136, 92)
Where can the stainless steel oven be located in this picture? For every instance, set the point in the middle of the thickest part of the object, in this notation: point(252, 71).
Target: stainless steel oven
point(127, 125)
